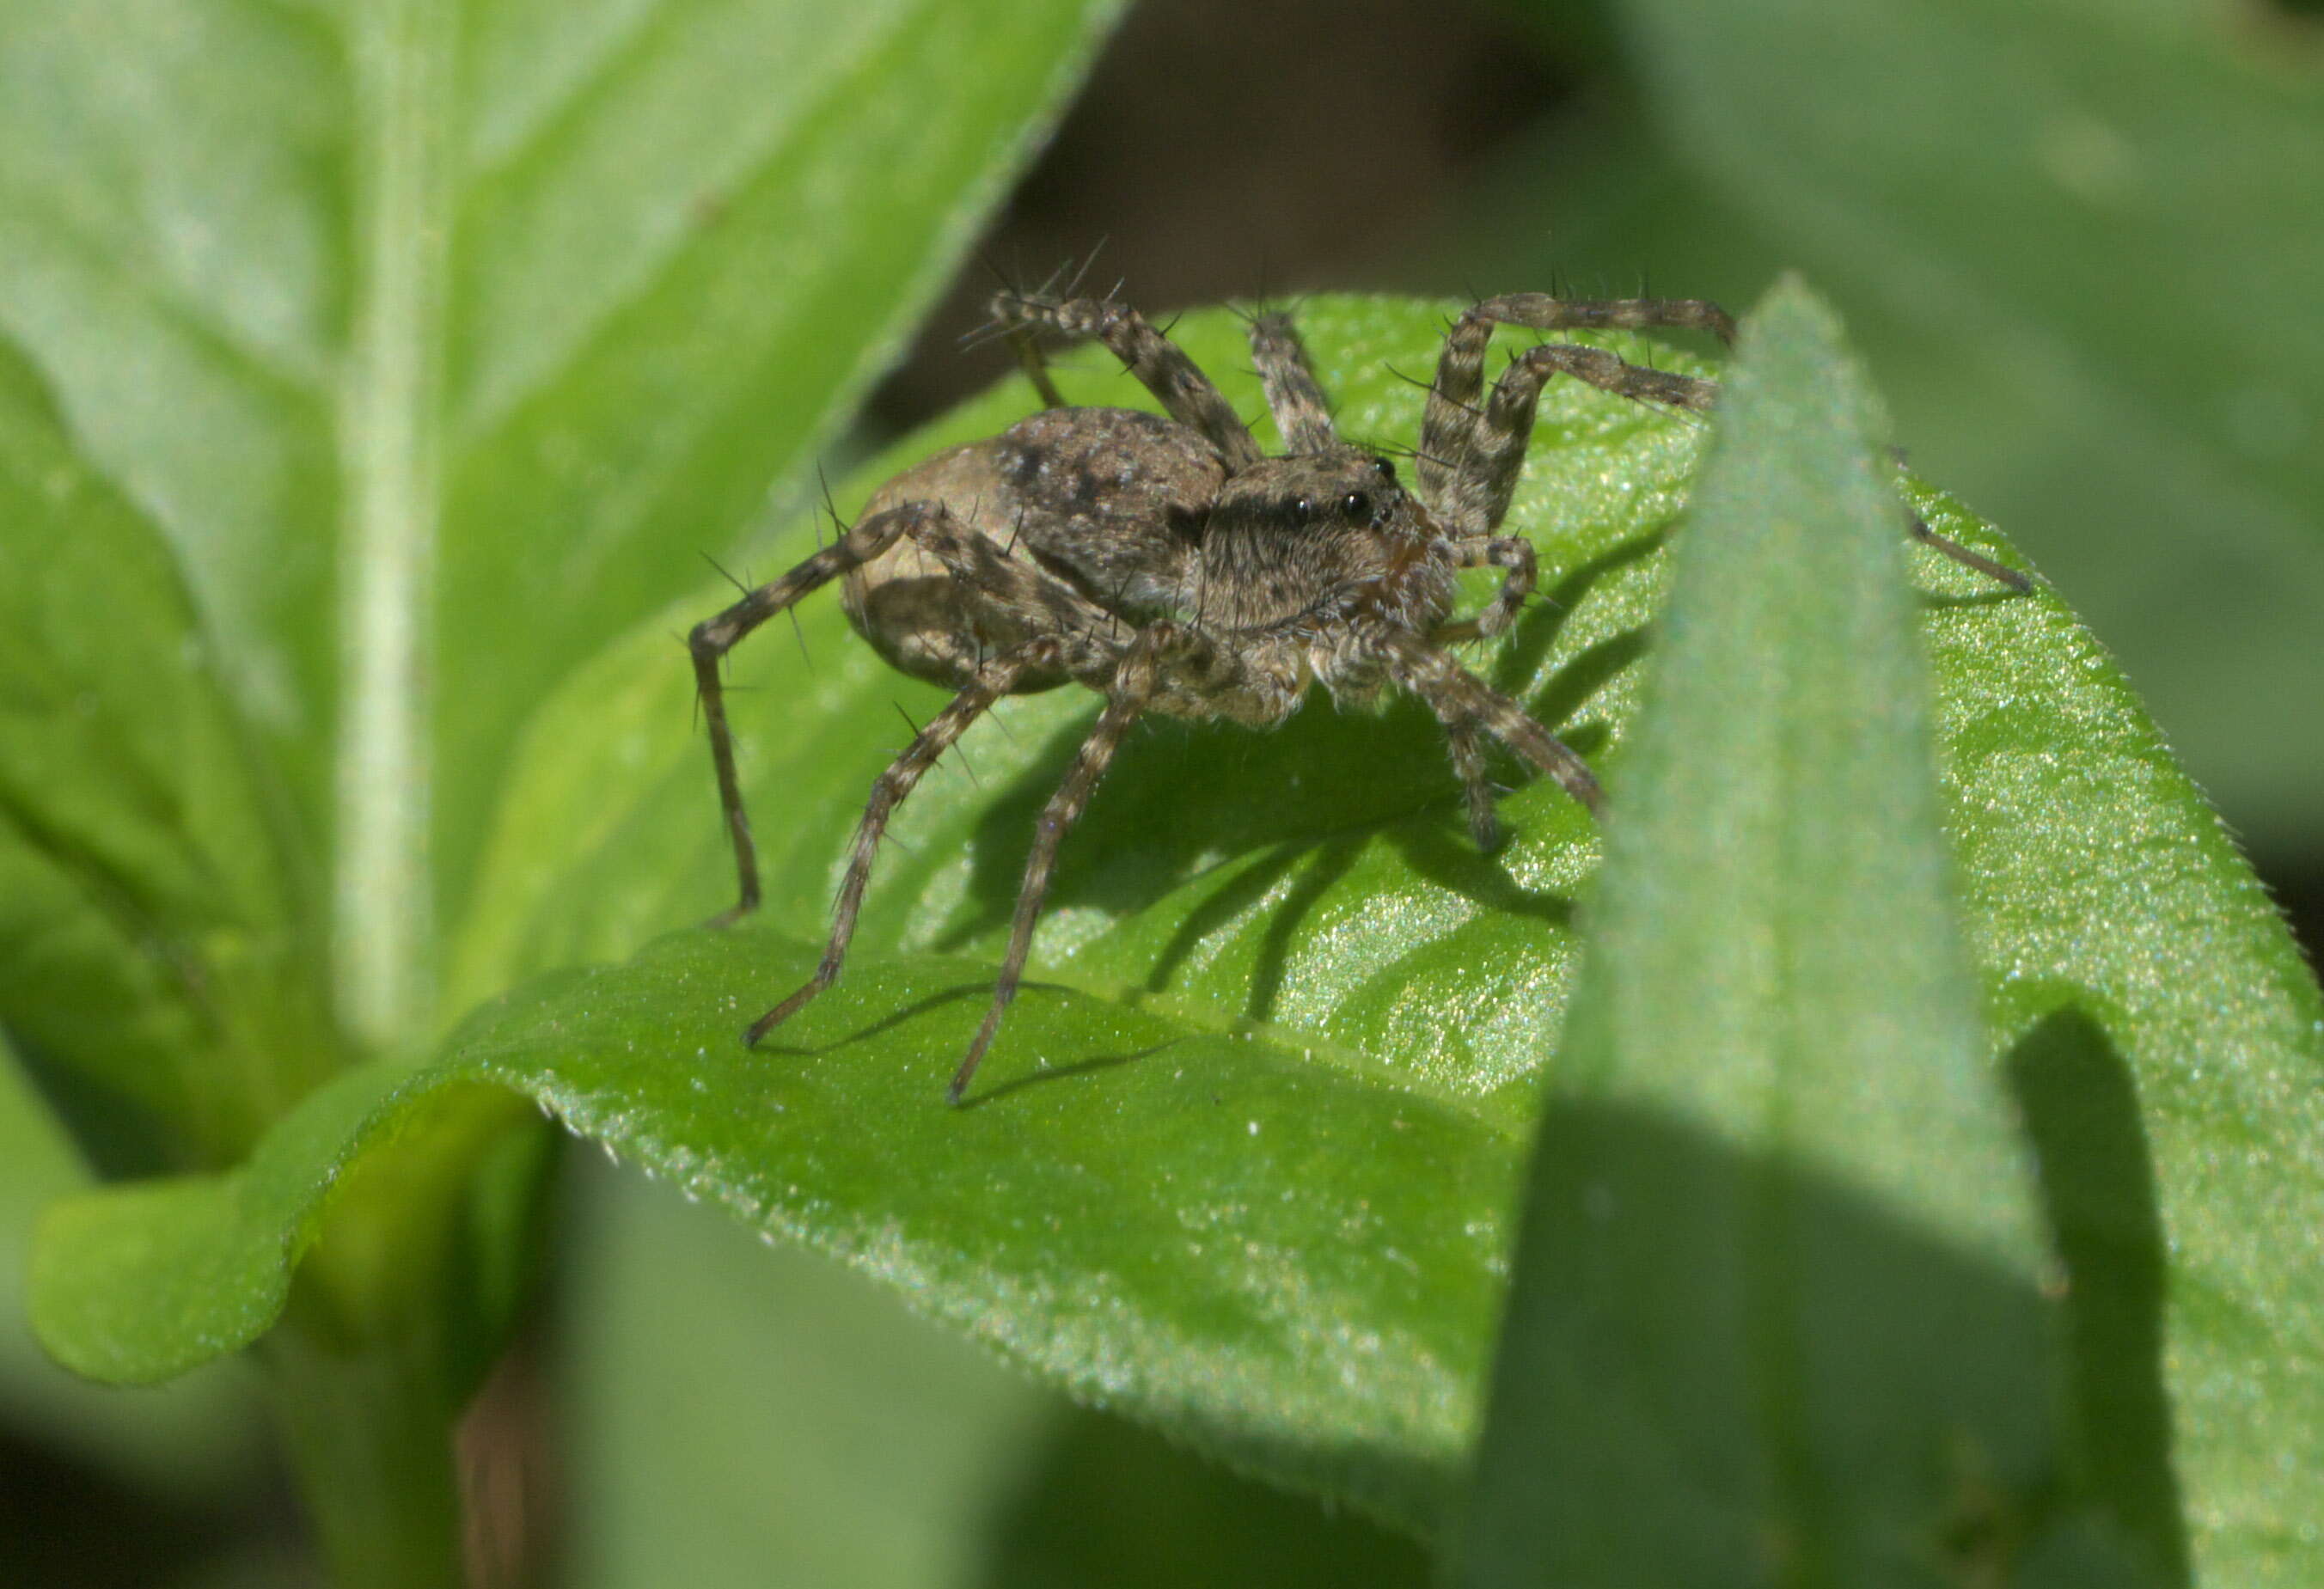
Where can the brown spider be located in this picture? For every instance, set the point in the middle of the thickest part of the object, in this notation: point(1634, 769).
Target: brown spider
point(1171, 566)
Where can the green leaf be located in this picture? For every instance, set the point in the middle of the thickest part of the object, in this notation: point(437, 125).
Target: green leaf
point(1775, 1312)
point(438, 340)
point(158, 951)
point(2076, 240)
point(1291, 932)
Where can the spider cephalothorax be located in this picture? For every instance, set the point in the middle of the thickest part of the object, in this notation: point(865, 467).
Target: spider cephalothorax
point(1170, 565)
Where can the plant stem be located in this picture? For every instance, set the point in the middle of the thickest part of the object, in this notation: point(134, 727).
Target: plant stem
point(369, 1431)
point(377, 1352)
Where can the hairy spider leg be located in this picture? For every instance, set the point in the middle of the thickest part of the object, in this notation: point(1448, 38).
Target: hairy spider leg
point(1507, 429)
point(1513, 553)
point(1464, 737)
point(968, 558)
point(713, 638)
point(1456, 409)
point(1158, 364)
point(1919, 531)
point(1472, 451)
point(1497, 449)
point(1303, 414)
point(1137, 677)
point(994, 679)
point(1456, 695)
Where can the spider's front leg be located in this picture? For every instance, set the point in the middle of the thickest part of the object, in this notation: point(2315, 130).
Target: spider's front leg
point(1462, 443)
point(1513, 553)
point(995, 679)
point(1161, 655)
point(1472, 447)
point(1464, 703)
point(1303, 415)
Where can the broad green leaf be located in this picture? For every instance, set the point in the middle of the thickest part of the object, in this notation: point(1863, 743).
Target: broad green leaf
point(1295, 1263)
point(1775, 1316)
point(1291, 932)
point(2077, 242)
point(158, 949)
point(439, 339)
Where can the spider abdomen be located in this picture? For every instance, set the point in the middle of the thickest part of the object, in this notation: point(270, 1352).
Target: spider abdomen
point(1107, 503)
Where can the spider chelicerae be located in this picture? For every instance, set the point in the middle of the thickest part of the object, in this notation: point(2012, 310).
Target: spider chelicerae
point(1172, 566)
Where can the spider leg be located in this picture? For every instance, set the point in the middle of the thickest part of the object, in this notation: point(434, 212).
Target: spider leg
point(713, 638)
point(972, 560)
point(1294, 396)
point(1472, 449)
point(1455, 406)
point(1919, 531)
point(1513, 553)
point(1464, 737)
point(1489, 477)
point(1543, 312)
point(1158, 363)
point(1475, 498)
point(1459, 697)
point(1137, 677)
point(994, 679)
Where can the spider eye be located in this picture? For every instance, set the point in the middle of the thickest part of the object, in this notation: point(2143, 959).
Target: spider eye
point(1387, 470)
point(1303, 508)
point(1356, 505)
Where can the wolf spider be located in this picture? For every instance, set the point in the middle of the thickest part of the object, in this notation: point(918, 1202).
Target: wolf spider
point(1173, 567)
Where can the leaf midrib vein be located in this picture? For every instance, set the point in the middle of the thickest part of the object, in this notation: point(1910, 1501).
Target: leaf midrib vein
point(390, 420)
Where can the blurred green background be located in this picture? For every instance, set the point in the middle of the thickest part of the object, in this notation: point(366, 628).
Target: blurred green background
point(2079, 242)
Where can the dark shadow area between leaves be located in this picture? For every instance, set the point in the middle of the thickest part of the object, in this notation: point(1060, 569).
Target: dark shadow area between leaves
point(1746, 1371)
point(122, 1136)
point(2074, 1090)
point(70, 1522)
